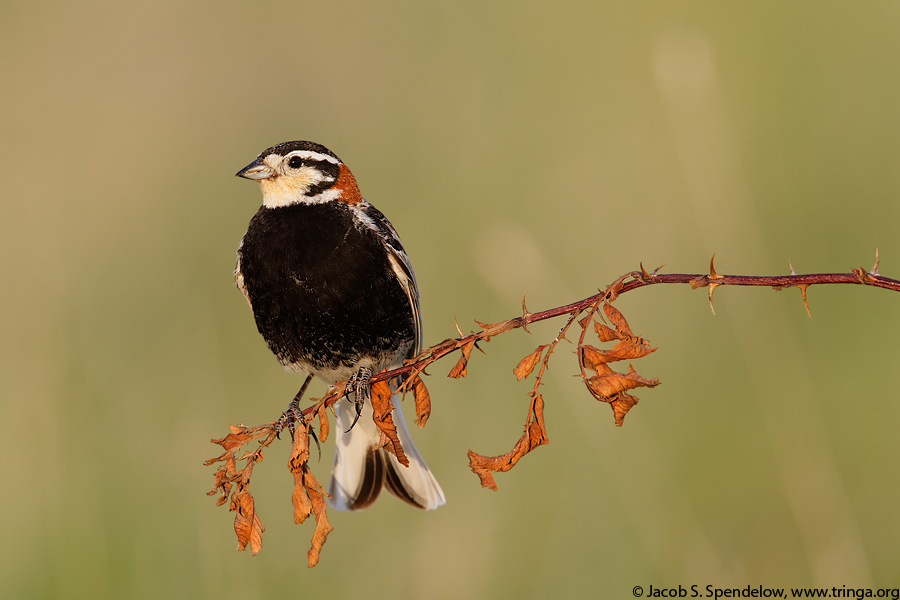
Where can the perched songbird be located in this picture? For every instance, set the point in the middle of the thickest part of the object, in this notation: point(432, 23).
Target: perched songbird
point(334, 296)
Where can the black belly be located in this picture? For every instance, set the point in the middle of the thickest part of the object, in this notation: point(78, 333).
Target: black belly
point(322, 290)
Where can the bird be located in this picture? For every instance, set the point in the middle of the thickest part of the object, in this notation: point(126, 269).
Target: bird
point(334, 296)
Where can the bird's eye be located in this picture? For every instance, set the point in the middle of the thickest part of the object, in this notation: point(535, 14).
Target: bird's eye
point(295, 162)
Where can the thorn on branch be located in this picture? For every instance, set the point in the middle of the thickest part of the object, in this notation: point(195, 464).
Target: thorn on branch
point(525, 315)
point(712, 268)
point(803, 295)
point(458, 330)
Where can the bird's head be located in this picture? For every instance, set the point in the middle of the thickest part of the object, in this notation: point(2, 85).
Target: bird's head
point(301, 173)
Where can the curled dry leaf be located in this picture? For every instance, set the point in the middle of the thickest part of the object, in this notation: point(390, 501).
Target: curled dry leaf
point(323, 423)
point(625, 350)
point(423, 401)
point(222, 478)
point(238, 436)
point(631, 349)
point(460, 369)
point(247, 525)
point(607, 383)
point(534, 436)
point(527, 364)
point(618, 320)
point(297, 463)
point(605, 333)
point(381, 404)
point(591, 357)
point(308, 496)
point(323, 527)
point(621, 403)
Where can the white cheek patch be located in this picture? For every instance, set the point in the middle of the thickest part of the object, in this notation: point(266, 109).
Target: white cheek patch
point(291, 187)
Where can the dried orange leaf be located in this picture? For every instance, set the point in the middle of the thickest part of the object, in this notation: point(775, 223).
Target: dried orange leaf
point(247, 525)
point(382, 405)
point(239, 436)
point(537, 433)
point(617, 319)
point(298, 465)
point(630, 349)
point(605, 333)
point(591, 357)
point(534, 436)
point(323, 423)
point(527, 364)
point(221, 485)
point(609, 384)
point(460, 369)
point(323, 527)
point(308, 496)
point(620, 405)
point(423, 402)
point(233, 440)
point(299, 499)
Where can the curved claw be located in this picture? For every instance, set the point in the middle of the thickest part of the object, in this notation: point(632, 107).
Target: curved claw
point(312, 433)
point(355, 419)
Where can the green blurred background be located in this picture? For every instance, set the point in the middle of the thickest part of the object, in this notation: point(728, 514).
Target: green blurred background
point(521, 147)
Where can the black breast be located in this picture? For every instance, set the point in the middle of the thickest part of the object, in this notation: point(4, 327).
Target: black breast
point(322, 290)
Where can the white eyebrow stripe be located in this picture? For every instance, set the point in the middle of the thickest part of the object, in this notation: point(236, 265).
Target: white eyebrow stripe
point(310, 155)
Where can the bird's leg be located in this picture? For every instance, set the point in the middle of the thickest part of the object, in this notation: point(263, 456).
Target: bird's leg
point(359, 384)
point(293, 412)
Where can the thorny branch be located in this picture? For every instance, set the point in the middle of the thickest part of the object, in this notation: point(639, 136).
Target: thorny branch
point(605, 385)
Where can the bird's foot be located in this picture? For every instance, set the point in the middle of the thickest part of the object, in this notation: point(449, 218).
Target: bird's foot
point(293, 413)
point(359, 385)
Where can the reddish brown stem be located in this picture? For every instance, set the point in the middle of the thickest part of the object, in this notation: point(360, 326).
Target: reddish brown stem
point(638, 279)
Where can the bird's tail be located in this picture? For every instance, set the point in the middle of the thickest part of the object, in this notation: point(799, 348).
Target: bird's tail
point(361, 469)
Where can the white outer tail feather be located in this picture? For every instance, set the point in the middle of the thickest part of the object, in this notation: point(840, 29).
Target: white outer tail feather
point(352, 449)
